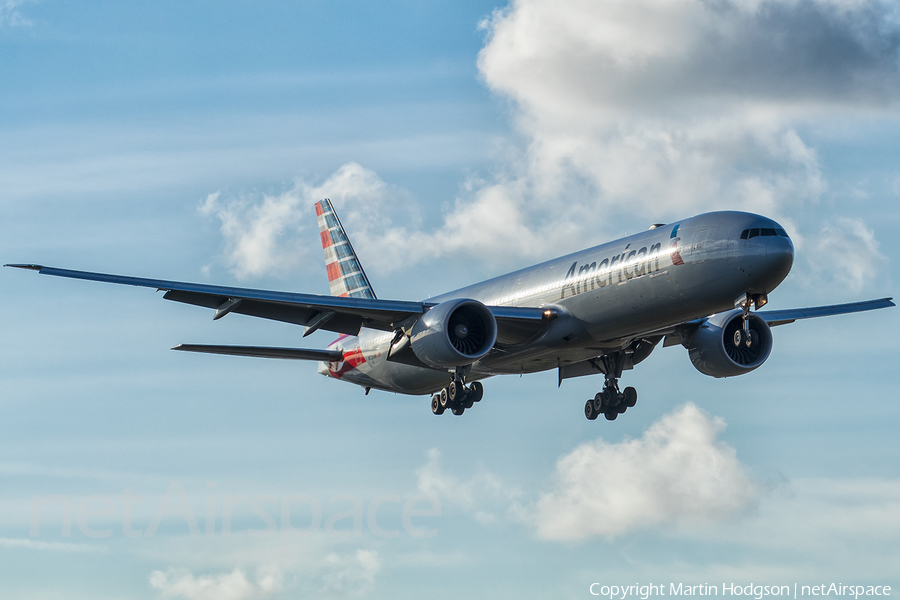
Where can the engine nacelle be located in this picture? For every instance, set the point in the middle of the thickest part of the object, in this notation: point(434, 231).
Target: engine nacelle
point(454, 333)
point(719, 346)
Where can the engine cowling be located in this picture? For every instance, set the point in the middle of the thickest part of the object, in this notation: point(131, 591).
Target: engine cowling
point(719, 346)
point(454, 333)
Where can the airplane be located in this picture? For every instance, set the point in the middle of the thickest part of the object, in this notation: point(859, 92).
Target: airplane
point(602, 310)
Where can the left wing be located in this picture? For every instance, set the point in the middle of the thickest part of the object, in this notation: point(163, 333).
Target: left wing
point(332, 313)
point(265, 352)
point(783, 317)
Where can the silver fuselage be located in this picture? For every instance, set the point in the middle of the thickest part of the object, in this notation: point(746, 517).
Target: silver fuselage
point(605, 296)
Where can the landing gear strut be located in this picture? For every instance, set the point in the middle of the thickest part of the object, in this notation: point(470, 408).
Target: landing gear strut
point(610, 402)
point(457, 396)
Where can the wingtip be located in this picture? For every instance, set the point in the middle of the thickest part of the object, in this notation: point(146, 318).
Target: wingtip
point(29, 267)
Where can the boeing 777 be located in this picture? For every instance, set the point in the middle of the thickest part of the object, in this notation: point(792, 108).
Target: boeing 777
point(602, 310)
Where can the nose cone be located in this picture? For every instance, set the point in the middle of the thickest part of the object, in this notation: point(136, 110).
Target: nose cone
point(779, 257)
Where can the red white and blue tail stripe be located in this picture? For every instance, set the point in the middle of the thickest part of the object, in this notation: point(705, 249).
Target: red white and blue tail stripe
point(345, 273)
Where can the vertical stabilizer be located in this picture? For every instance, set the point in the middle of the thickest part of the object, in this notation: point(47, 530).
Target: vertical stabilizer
point(345, 273)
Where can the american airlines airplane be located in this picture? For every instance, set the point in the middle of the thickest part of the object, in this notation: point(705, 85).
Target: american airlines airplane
point(599, 311)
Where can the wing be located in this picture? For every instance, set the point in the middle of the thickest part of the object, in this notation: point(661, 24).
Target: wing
point(339, 314)
point(676, 334)
point(342, 315)
point(265, 352)
point(782, 317)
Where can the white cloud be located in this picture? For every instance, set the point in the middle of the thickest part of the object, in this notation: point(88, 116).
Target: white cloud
point(344, 574)
point(224, 586)
point(242, 567)
point(632, 112)
point(675, 106)
point(677, 472)
point(574, 61)
point(10, 14)
point(261, 231)
point(483, 494)
point(845, 256)
point(666, 108)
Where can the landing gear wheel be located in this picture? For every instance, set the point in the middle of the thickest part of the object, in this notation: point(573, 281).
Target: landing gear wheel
point(468, 401)
point(445, 401)
point(630, 395)
point(476, 391)
point(611, 414)
point(598, 403)
point(454, 391)
point(753, 339)
point(589, 411)
point(458, 410)
point(436, 407)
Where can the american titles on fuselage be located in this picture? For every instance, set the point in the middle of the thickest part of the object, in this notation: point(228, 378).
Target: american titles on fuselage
point(616, 269)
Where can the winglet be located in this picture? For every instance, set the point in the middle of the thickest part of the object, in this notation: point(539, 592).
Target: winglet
point(29, 267)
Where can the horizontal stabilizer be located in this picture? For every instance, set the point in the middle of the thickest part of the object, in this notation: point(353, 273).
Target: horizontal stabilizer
point(265, 352)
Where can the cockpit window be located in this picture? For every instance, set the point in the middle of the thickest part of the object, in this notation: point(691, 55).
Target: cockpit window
point(748, 234)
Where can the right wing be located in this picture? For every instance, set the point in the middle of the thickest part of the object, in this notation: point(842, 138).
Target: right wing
point(341, 315)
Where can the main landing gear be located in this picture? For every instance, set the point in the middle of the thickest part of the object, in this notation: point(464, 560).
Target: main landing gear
point(457, 396)
point(610, 402)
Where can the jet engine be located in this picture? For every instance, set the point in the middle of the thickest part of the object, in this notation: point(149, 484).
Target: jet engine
point(454, 333)
point(720, 347)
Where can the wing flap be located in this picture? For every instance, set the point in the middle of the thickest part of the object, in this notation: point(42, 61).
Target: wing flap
point(264, 352)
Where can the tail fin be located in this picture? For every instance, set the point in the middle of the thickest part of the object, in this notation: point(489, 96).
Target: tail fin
point(345, 273)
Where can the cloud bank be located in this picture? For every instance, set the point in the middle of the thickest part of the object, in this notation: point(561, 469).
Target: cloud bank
point(674, 106)
point(280, 568)
point(224, 586)
point(678, 472)
point(631, 112)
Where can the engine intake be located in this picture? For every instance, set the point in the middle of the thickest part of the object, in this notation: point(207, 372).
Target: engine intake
point(720, 347)
point(454, 333)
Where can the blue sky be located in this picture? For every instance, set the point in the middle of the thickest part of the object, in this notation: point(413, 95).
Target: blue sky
point(188, 140)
